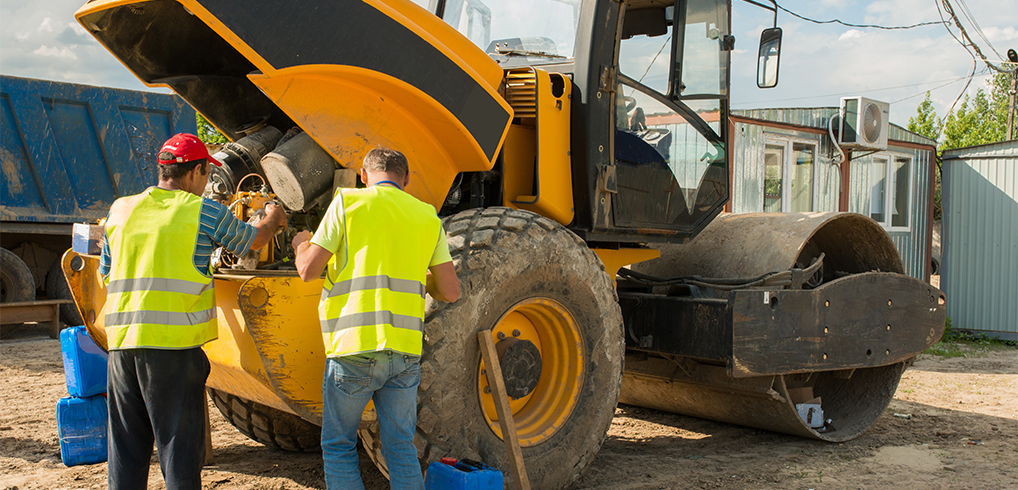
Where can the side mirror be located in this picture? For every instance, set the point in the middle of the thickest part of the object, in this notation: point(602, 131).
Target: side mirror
point(767, 63)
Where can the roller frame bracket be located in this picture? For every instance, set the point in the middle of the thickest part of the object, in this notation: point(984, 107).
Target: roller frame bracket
point(863, 320)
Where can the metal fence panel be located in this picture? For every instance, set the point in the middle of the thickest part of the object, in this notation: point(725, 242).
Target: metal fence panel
point(980, 243)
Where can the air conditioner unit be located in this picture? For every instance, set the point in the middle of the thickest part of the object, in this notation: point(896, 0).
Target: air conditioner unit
point(864, 123)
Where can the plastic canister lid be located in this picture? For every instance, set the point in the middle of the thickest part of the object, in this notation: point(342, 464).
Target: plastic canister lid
point(448, 461)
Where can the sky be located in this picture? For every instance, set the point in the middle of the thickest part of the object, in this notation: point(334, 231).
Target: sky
point(819, 63)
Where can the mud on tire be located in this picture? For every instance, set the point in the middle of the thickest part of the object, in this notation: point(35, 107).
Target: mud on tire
point(274, 428)
point(504, 257)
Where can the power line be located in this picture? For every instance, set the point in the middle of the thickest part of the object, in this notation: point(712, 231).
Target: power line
point(870, 26)
point(979, 30)
point(856, 92)
point(969, 51)
point(949, 10)
point(930, 90)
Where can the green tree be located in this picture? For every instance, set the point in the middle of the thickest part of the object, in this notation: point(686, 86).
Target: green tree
point(981, 120)
point(926, 121)
point(208, 133)
point(1000, 101)
point(929, 125)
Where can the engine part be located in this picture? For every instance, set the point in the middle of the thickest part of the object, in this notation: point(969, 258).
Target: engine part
point(299, 171)
point(249, 207)
point(241, 158)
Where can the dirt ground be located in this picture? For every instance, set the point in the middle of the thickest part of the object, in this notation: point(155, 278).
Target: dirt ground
point(962, 433)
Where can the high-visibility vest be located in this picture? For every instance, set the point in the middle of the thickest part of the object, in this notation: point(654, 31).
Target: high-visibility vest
point(373, 297)
point(156, 297)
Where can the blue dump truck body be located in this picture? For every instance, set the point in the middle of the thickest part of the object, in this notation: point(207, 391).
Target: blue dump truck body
point(68, 151)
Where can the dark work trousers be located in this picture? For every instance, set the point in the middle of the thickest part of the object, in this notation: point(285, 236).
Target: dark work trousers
point(156, 396)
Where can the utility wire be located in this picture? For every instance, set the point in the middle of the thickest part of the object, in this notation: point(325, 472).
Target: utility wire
point(973, 72)
point(979, 30)
point(930, 90)
point(949, 10)
point(655, 58)
point(870, 26)
point(857, 92)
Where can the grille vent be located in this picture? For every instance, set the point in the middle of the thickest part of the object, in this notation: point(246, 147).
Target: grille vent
point(521, 92)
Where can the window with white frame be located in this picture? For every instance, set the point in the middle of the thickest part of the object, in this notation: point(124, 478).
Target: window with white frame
point(891, 190)
point(789, 175)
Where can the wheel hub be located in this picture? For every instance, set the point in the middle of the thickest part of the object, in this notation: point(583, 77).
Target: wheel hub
point(540, 352)
point(521, 366)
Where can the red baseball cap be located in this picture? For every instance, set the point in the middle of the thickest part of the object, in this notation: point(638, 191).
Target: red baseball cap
point(186, 148)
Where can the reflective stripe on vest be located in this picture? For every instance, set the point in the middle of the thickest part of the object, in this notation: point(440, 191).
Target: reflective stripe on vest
point(377, 282)
point(157, 284)
point(155, 297)
point(375, 300)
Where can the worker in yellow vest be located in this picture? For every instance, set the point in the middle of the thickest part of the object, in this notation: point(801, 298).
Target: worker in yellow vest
point(160, 310)
point(383, 250)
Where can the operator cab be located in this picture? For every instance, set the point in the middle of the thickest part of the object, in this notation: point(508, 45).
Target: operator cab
point(650, 158)
point(671, 106)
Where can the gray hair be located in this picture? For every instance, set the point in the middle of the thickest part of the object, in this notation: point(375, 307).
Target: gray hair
point(386, 160)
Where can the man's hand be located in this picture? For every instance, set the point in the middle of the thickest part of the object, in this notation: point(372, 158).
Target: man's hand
point(275, 213)
point(275, 218)
point(304, 236)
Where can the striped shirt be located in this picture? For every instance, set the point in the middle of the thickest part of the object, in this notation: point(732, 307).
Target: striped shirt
point(217, 226)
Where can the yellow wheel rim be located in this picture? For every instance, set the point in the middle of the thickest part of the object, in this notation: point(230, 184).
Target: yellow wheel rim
point(555, 333)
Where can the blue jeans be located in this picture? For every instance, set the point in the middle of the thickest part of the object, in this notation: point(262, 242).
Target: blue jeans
point(391, 378)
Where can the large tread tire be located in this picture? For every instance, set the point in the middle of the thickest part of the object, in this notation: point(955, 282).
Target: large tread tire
point(267, 425)
point(16, 281)
point(503, 257)
point(57, 288)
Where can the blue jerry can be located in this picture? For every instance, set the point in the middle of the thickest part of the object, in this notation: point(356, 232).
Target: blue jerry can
point(84, 363)
point(81, 427)
point(462, 475)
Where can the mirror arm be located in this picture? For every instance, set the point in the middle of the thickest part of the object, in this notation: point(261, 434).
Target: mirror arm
point(773, 8)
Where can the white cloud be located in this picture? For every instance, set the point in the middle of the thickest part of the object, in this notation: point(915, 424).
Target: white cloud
point(831, 3)
point(851, 34)
point(43, 40)
point(55, 52)
point(821, 63)
point(76, 27)
point(902, 13)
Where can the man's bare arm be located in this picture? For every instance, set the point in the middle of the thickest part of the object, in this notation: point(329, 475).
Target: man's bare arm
point(311, 258)
point(443, 284)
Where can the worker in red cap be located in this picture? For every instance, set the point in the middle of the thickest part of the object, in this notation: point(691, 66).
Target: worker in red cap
point(160, 310)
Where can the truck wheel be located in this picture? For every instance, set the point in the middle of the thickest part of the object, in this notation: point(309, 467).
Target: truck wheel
point(274, 428)
point(57, 288)
point(16, 282)
point(527, 279)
